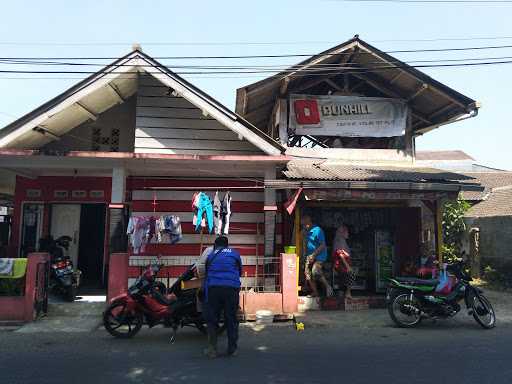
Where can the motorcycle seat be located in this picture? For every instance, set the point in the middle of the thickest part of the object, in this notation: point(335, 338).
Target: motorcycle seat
point(416, 281)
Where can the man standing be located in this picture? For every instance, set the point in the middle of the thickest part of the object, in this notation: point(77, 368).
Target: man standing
point(316, 255)
point(222, 289)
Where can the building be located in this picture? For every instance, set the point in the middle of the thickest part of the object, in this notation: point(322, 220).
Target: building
point(355, 162)
point(137, 140)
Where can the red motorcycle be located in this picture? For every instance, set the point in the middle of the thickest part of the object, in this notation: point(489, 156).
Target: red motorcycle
point(148, 300)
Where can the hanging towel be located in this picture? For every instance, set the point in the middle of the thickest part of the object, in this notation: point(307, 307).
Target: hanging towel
point(217, 214)
point(6, 267)
point(226, 213)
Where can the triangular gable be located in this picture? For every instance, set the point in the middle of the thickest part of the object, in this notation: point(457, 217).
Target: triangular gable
point(113, 85)
point(356, 67)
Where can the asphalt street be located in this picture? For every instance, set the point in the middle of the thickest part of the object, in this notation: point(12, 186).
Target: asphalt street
point(350, 351)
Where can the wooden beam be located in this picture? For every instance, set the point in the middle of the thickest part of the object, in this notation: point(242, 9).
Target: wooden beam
point(241, 101)
point(383, 88)
point(284, 86)
point(362, 82)
point(261, 113)
point(441, 110)
point(88, 112)
point(333, 85)
point(396, 77)
point(283, 121)
point(116, 92)
point(421, 89)
point(346, 83)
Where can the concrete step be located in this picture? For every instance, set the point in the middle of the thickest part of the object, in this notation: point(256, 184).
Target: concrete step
point(357, 303)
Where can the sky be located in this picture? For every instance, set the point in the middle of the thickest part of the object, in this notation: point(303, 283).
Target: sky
point(226, 28)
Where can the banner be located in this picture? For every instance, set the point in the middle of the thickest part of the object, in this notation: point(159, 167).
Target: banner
point(347, 116)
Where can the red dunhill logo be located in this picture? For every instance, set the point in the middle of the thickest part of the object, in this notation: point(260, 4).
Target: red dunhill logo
point(306, 112)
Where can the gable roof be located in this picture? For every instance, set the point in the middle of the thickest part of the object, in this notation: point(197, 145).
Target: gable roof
point(112, 85)
point(432, 103)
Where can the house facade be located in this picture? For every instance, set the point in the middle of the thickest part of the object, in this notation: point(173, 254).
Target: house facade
point(135, 140)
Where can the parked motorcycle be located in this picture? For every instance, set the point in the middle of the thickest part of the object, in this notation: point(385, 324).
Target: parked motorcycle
point(148, 300)
point(409, 300)
point(63, 278)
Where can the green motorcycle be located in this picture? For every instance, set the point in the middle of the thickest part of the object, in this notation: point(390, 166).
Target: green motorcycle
point(409, 300)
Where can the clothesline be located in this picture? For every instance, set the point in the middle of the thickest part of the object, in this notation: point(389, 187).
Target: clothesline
point(202, 188)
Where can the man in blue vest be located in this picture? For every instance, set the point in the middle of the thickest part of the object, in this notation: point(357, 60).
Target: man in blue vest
point(222, 289)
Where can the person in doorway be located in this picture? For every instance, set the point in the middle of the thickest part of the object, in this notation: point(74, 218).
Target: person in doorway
point(341, 260)
point(315, 256)
point(223, 269)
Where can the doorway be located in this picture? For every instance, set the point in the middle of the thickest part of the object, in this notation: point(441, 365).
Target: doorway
point(85, 224)
point(91, 248)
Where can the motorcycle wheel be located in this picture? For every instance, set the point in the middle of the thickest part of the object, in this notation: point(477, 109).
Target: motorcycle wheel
point(119, 323)
point(403, 311)
point(483, 312)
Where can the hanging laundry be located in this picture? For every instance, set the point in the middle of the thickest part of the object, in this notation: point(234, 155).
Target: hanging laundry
point(138, 227)
point(170, 225)
point(226, 213)
point(217, 214)
point(195, 204)
point(6, 267)
point(203, 210)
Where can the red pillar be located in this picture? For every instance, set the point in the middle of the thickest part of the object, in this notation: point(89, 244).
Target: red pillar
point(117, 275)
point(289, 282)
point(31, 282)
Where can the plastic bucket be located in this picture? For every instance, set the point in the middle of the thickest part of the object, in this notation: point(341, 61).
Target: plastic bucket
point(290, 249)
point(264, 316)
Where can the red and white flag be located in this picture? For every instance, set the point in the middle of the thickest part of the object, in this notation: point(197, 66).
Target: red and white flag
point(290, 204)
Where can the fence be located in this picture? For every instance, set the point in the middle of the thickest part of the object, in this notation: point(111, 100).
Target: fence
point(274, 288)
point(259, 273)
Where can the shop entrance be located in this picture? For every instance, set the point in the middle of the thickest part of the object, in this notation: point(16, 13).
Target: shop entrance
point(85, 224)
point(384, 241)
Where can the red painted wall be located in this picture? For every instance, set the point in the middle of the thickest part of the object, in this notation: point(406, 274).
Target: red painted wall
point(48, 185)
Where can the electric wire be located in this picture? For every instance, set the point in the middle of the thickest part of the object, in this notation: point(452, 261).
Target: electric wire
point(456, 49)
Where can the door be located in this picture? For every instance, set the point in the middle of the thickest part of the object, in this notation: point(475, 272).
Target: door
point(92, 240)
point(66, 222)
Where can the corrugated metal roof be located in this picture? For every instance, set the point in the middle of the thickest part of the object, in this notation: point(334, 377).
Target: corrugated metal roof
point(329, 170)
point(498, 203)
point(488, 180)
point(442, 155)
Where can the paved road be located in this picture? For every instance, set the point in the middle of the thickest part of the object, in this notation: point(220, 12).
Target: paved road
point(446, 352)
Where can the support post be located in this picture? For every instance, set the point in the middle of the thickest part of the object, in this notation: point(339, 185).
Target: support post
point(289, 283)
point(439, 229)
point(283, 122)
point(118, 240)
point(270, 209)
point(118, 275)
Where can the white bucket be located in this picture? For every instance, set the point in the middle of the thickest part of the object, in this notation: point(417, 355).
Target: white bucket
point(264, 316)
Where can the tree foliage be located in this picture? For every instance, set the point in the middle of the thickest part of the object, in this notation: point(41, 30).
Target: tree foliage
point(453, 228)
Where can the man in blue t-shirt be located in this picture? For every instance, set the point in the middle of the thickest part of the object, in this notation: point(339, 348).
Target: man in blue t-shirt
point(315, 255)
point(222, 290)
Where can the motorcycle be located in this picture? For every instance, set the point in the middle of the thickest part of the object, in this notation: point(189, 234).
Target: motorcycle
point(409, 300)
point(149, 301)
point(63, 278)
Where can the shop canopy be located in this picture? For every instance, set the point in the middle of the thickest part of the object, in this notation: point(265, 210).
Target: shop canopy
point(356, 67)
point(328, 174)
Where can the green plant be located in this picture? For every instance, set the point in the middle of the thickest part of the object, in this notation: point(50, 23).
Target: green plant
point(453, 228)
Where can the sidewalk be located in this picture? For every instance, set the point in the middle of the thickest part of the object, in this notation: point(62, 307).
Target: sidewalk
point(379, 318)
